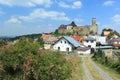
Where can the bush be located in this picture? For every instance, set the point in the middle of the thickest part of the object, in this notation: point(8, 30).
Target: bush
point(24, 61)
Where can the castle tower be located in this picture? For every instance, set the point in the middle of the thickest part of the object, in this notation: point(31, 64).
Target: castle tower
point(94, 26)
point(93, 21)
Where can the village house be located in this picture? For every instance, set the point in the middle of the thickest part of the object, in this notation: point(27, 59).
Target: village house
point(46, 35)
point(100, 40)
point(69, 44)
point(83, 50)
point(89, 42)
point(106, 33)
point(115, 42)
point(48, 42)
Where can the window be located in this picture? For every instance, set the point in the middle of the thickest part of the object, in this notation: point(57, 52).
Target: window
point(65, 42)
point(89, 46)
point(92, 41)
point(61, 41)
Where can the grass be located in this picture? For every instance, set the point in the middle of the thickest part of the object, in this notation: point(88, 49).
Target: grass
point(115, 75)
point(93, 72)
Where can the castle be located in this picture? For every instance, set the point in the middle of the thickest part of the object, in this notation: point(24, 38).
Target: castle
point(79, 30)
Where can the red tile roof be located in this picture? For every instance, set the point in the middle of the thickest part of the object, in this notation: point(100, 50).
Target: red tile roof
point(78, 38)
point(44, 35)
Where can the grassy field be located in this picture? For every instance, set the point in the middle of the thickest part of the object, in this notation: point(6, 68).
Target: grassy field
point(115, 75)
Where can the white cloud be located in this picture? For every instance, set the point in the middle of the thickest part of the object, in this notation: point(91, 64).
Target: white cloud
point(75, 4)
point(116, 19)
point(26, 3)
point(64, 5)
point(108, 3)
point(43, 14)
point(13, 20)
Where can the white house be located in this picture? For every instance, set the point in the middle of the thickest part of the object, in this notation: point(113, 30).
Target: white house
point(89, 42)
point(66, 44)
point(100, 39)
point(115, 42)
point(69, 44)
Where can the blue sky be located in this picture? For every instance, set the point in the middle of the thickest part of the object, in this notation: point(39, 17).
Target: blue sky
point(19, 17)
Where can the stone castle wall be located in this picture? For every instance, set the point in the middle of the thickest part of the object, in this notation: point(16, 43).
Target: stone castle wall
point(80, 30)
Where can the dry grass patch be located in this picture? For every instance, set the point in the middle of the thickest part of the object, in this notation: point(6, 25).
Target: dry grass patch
point(77, 71)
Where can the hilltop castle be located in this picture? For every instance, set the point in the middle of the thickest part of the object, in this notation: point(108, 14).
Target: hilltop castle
point(79, 30)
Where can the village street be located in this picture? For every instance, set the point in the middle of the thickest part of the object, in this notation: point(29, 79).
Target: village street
point(92, 71)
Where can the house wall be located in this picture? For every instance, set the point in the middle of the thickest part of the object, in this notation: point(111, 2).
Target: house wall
point(92, 44)
point(69, 27)
point(84, 52)
point(63, 45)
point(47, 46)
point(106, 33)
point(108, 53)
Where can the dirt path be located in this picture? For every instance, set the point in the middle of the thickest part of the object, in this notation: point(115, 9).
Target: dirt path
point(86, 70)
point(101, 72)
point(92, 71)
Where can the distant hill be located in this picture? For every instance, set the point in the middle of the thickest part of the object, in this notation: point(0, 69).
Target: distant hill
point(33, 36)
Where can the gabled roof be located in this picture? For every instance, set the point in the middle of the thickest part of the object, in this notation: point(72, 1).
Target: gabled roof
point(50, 40)
point(72, 41)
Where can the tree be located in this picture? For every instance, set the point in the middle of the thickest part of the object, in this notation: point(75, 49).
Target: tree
point(56, 33)
point(40, 42)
